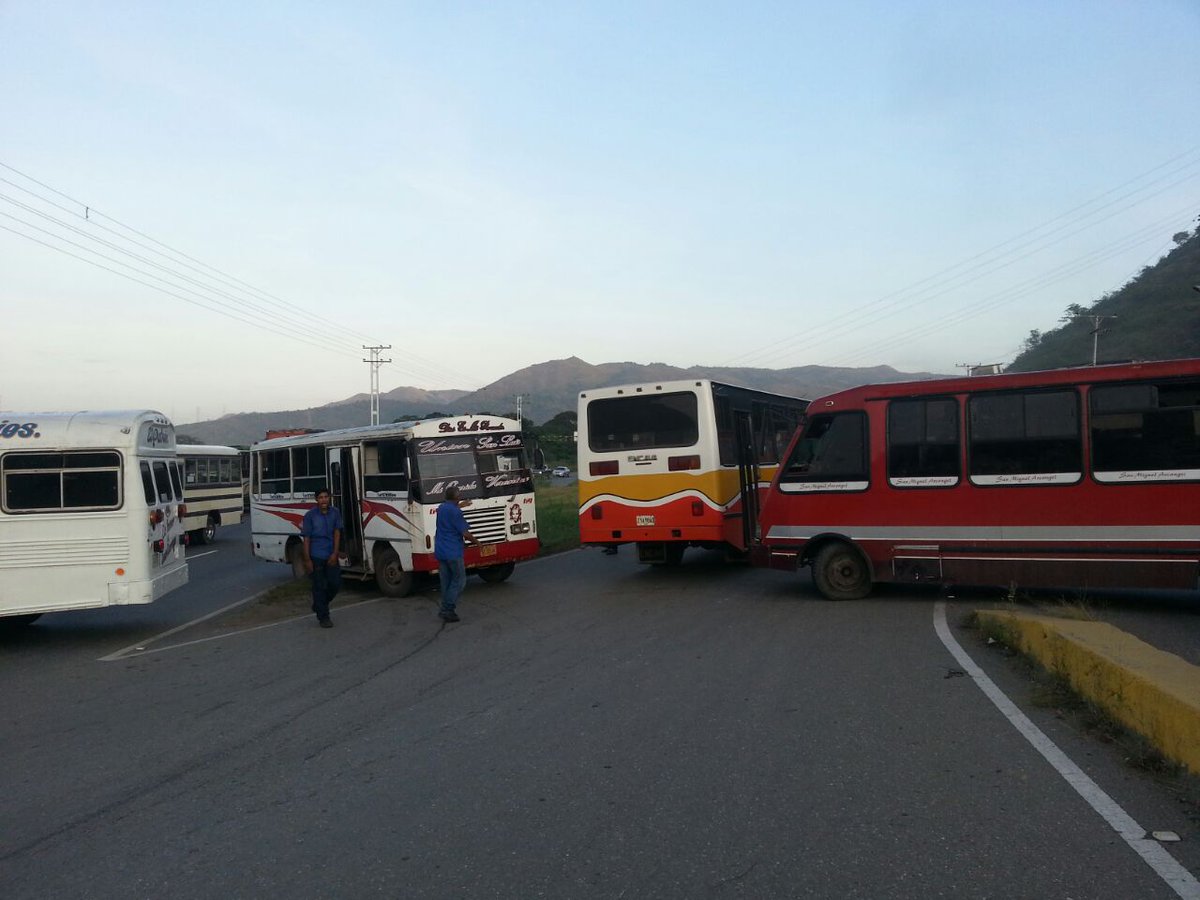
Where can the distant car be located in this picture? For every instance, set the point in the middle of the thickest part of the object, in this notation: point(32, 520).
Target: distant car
point(561, 472)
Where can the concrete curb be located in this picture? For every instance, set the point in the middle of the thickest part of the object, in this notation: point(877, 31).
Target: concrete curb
point(1152, 692)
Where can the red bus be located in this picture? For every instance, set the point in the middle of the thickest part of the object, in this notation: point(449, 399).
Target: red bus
point(1080, 478)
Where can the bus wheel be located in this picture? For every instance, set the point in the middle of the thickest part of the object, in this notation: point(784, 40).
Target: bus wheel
point(390, 576)
point(295, 555)
point(841, 572)
point(496, 574)
point(208, 534)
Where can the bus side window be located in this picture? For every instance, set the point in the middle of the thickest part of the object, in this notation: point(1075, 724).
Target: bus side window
point(147, 483)
point(1025, 433)
point(384, 467)
point(176, 483)
point(276, 472)
point(832, 448)
point(923, 438)
point(189, 470)
point(1145, 428)
point(162, 481)
point(308, 467)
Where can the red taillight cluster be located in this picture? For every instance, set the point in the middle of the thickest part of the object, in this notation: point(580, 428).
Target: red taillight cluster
point(697, 508)
point(159, 546)
point(598, 511)
point(156, 516)
point(607, 467)
point(182, 510)
point(682, 463)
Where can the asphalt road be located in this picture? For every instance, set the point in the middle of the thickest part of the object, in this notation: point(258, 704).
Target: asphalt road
point(592, 728)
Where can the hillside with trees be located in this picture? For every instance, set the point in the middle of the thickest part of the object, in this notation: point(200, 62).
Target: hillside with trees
point(1155, 316)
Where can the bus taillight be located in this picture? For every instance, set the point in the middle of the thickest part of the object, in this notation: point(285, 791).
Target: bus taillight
point(598, 511)
point(682, 463)
point(697, 508)
point(182, 510)
point(605, 467)
point(156, 516)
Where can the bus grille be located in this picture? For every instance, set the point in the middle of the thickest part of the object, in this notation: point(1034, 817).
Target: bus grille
point(76, 552)
point(486, 524)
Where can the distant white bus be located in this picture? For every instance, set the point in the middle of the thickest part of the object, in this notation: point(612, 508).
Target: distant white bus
point(212, 489)
point(90, 511)
point(387, 482)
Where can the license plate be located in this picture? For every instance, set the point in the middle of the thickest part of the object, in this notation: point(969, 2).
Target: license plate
point(487, 550)
point(645, 520)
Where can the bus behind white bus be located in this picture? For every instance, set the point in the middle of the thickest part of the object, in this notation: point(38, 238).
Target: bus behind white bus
point(91, 511)
point(672, 464)
point(387, 481)
point(212, 489)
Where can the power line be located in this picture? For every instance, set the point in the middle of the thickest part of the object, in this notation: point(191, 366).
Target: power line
point(243, 293)
point(991, 260)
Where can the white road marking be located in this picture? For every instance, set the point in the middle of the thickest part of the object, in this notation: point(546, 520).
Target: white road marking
point(205, 553)
point(1165, 866)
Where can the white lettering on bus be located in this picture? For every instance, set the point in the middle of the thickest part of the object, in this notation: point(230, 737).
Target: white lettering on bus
point(495, 481)
point(440, 447)
point(493, 442)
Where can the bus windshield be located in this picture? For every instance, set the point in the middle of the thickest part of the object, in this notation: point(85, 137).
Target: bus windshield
point(479, 467)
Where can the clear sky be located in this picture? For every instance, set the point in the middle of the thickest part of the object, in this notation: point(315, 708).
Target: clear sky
point(493, 184)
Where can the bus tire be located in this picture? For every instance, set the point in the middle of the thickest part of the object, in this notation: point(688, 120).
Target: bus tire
point(208, 533)
point(390, 576)
point(496, 574)
point(841, 572)
point(295, 556)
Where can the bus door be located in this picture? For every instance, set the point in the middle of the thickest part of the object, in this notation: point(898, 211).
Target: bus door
point(747, 462)
point(343, 489)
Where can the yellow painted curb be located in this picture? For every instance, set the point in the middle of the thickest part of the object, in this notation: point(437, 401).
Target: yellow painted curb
point(1152, 692)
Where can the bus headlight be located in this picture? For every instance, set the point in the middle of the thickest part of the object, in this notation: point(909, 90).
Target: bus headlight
point(519, 528)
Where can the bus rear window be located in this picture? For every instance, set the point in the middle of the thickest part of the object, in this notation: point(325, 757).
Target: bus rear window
point(50, 482)
point(642, 422)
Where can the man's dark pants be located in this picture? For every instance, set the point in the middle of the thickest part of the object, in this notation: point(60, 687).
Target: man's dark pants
point(326, 582)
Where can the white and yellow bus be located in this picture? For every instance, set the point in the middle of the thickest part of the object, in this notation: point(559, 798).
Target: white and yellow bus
point(387, 482)
point(672, 464)
point(212, 489)
point(91, 507)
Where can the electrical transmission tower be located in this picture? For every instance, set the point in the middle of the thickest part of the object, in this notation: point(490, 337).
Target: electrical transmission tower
point(375, 362)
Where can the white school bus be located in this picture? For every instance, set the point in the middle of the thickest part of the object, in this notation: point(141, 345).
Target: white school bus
point(387, 481)
point(212, 489)
point(91, 508)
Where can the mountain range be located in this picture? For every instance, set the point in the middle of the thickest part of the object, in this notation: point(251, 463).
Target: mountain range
point(546, 388)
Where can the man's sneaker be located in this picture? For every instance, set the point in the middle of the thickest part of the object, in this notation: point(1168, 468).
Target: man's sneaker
point(326, 623)
point(448, 617)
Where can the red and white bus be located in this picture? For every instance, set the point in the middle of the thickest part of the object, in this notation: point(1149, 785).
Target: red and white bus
point(387, 482)
point(1080, 478)
point(670, 464)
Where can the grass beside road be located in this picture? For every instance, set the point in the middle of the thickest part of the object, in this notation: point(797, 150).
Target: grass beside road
point(557, 516)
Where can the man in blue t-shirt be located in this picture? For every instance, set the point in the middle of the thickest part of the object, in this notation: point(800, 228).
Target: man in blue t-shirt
point(448, 548)
point(322, 533)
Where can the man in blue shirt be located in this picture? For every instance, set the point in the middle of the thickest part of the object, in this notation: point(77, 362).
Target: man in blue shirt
point(322, 533)
point(448, 548)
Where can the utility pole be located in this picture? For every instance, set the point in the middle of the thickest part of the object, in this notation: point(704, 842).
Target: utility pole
point(1097, 330)
point(375, 362)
